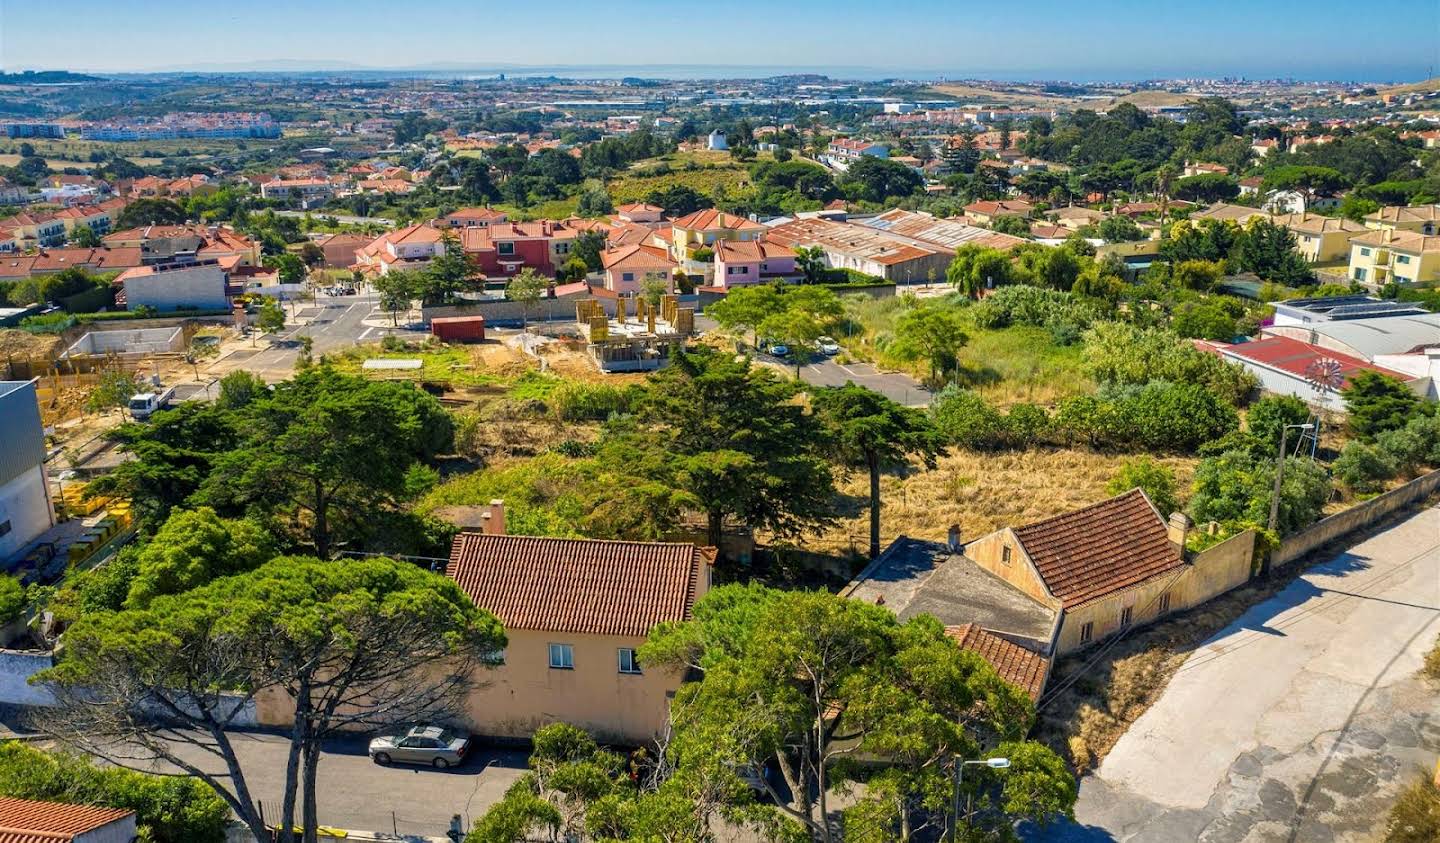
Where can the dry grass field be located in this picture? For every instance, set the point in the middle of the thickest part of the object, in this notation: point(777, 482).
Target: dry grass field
point(981, 492)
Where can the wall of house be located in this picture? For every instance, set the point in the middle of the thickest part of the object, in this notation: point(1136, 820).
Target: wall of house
point(201, 288)
point(1104, 614)
point(16, 668)
point(989, 553)
point(526, 693)
point(24, 511)
point(120, 831)
point(1355, 518)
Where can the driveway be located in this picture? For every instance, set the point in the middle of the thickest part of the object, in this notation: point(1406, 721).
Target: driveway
point(1300, 722)
point(333, 323)
point(355, 793)
point(825, 371)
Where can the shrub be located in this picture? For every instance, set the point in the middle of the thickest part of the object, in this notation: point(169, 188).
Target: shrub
point(1203, 320)
point(167, 809)
point(1176, 417)
point(1415, 817)
point(1022, 304)
point(1377, 403)
point(1270, 413)
point(1408, 448)
point(1028, 425)
point(1156, 480)
point(12, 599)
point(1363, 468)
point(965, 419)
point(592, 402)
point(1127, 354)
point(1236, 488)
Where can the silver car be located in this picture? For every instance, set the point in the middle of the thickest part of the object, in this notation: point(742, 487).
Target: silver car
point(434, 746)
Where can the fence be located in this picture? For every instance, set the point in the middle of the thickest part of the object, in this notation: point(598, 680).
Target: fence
point(1352, 519)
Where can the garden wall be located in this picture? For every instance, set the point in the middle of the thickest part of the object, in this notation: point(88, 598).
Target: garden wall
point(1354, 518)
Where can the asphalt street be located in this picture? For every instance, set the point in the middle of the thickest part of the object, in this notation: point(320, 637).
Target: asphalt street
point(333, 323)
point(356, 793)
point(826, 371)
point(1298, 723)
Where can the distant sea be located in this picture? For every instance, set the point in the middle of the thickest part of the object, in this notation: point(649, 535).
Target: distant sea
point(1366, 73)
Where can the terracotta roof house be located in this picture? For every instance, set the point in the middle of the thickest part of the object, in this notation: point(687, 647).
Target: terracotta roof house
point(639, 212)
point(1227, 212)
point(627, 268)
point(575, 611)
point(29, 821)
point(472, 218)
point(1021, 667)
point(986, 211)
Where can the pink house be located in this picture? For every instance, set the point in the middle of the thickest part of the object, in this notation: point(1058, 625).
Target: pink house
point(627, 268)
point(740, 262)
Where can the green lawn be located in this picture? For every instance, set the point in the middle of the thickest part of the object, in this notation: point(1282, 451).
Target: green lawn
point(451, 365)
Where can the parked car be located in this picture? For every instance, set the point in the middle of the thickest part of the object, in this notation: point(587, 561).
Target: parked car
point(779, 349)
point(434, 746)
point(828, 346)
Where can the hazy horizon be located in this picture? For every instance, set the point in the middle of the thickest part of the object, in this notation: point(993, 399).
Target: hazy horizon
point(1106, 40)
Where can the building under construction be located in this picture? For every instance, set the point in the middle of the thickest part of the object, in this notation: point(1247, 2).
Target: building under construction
point(642, 335)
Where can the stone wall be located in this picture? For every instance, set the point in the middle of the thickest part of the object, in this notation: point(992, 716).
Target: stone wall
point(1355, 518)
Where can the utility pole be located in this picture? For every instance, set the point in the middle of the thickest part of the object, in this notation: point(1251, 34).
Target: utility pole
point(1279, 478)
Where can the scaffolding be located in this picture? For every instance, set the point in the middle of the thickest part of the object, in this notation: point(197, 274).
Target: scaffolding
point(641, 337)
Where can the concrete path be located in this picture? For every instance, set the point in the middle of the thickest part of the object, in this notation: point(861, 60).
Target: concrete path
point(1300, 722)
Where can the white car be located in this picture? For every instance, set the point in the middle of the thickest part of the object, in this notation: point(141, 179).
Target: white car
point(828, 346)
point(433, 746)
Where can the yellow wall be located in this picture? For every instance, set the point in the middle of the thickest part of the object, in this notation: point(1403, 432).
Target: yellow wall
point(1423, 266)
point(525, 693)
point(988, 552)
point(1324, 247)
point(1375, 264)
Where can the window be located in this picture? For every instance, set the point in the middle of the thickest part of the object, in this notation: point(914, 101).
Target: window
point(1402, 258)
point(1360, 274)
point(562, 248)
point(628, 662)
point(1087, 631)
point(1164, 602)
point(1005, 554)
point(729, 270)
point(1126, 614)
point(1364, 252)
point(744, 270)
point(627, 276)
point(505, 248)
point(562, 657)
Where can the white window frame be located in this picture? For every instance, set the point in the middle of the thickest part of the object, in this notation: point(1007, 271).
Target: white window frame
point(566, 657)
point(634, 663)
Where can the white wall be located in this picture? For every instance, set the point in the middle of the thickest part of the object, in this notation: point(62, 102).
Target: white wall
point(120, 831)
point(25, 504)
point(200, 287)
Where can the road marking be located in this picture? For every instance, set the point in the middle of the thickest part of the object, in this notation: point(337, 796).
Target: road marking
point(365, 334)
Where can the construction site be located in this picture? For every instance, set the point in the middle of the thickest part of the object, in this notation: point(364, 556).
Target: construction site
point(641, 336)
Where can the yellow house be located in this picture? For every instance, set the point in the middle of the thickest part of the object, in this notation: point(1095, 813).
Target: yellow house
point(1386, 255)
point(1422, 219)
point(703, 228)
point(1320, 239)
point(575, 613)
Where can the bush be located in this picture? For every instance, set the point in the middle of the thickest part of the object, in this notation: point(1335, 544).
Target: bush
point(1028, 425)
point(1127, 354)
point(1271, 413)
point(194, 547)
point(1235, 488)
point(167, 809)
point(1156, 480)
point(573, 401)
point(1203, 320)
point(12, 599)
point(1408, 448)
point(965, 419)
point(1415, 817)
point(1022, 304)
point(1158, 416)
point(1377, 403)
point(1363, 468)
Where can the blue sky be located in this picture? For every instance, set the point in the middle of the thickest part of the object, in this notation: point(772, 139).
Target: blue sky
point(1091, 39)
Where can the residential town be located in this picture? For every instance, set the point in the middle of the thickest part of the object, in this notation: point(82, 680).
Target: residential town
point(611, 454)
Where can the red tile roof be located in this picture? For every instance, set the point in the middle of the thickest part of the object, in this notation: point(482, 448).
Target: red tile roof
point(1295, 358)
point(1021, 667)
point(1100, 549)
point(636, 257)
point(712, 220)
point(29, 820)
point(579, 585)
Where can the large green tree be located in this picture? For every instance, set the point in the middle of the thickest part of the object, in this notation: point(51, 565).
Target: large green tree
point(1376, 403)
point(360, 645)
point(872, 431)
point(324, 452)
point(815, 683)
point(731, 436)
point(933, 332)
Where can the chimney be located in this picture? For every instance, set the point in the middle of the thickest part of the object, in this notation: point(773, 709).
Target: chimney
point(1178, 527)
point(497, 517)
point(485, 526)
point(952, 538)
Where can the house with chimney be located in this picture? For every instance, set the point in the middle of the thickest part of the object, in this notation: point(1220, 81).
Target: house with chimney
point(1023, 596)
point(576, 612)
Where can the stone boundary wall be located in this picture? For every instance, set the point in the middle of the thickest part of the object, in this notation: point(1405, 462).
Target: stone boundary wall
point(1352, 519)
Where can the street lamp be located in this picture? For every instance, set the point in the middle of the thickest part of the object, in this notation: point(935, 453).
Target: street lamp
point(1280, 471)
point(959, 767)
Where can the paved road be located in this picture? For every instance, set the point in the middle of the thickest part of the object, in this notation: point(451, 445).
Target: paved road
point(333, 322)
point(1300, 722)
point(823, 371)
point(355, 793)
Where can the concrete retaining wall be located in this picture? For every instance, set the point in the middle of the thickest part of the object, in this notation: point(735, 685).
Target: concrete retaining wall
point(1352, 519)
point(127, 340)
point(508, 314)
